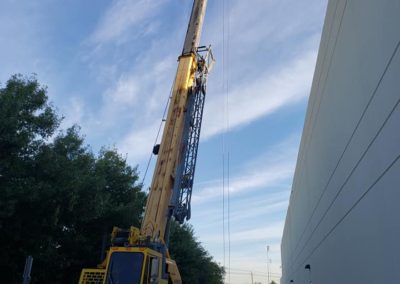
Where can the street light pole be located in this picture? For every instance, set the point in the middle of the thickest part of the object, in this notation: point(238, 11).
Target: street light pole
point(268, 263)
point(27, 270)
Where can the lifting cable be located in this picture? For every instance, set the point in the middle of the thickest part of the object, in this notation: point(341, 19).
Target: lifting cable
point(158, 132)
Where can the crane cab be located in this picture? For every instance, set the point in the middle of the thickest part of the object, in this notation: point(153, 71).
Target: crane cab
point(134, 266)
point(131, 265)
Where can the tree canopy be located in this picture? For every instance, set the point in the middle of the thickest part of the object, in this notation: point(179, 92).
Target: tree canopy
point(195, 264)
point(58, 200)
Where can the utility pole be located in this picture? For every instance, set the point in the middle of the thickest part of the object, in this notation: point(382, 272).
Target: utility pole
point(268, 263)
point(27, 270)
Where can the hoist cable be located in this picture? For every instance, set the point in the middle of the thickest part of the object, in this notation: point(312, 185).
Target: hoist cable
point(158, 132)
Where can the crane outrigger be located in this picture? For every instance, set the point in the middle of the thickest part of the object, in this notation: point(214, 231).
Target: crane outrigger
point(140, 256)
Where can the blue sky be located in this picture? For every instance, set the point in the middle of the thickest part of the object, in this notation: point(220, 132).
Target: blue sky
point(109, 67)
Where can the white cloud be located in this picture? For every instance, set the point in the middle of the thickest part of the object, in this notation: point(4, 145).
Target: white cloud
point(125, 17)
point(131, 109)
point(76, 109)
point(138, 98)
point(255, 214)
point(263, 203)
point(264, 177)
point(125, 91)
point(139, 94)
point(138, 144)
point(259, 207)
point(265, 94)
point(271, 231)
point(268, 170)
point(261, 233)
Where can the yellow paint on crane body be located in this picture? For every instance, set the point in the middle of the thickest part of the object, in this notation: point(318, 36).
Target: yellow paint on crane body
point(155, 219)
point(144, 264)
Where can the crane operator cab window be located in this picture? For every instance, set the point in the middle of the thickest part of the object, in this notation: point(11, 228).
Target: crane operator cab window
point(154, 270)
point(125, 267)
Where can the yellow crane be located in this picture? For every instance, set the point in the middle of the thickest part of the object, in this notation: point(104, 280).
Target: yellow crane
point(140, 256)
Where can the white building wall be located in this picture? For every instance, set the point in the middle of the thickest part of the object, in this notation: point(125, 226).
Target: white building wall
point(344, 213)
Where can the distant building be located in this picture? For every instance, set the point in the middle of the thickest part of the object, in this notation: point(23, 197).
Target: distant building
point(343, 220)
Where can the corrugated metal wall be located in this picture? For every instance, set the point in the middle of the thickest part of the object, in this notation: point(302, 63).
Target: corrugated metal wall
point(344, 212)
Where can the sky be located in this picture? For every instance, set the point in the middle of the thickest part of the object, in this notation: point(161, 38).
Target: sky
point(109, 67)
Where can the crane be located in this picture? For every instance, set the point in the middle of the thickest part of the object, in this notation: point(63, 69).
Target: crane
point(141, 256)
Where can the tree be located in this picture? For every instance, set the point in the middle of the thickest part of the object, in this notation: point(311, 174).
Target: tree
point(90, 196)
point(195, 264)
point(58, 200)
point(26, 121)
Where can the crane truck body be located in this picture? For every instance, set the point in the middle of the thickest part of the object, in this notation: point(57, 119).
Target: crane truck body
point(140, 256)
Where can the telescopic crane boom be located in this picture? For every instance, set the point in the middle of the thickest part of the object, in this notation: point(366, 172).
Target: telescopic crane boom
point(140, 256)
point(161, 201)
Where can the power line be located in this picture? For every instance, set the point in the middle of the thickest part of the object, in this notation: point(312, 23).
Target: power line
point(236, 270)
point(223, 134)
point(227, 11)
point(227, 134)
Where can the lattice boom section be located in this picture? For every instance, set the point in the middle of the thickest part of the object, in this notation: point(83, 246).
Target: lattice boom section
point(92, 276)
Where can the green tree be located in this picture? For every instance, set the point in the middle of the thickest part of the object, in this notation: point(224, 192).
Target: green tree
point(26, 121)
point(89, 195)
point(58, 200)
point(194, 263)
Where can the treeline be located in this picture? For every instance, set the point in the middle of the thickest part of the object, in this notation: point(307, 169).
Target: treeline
point(58, 200)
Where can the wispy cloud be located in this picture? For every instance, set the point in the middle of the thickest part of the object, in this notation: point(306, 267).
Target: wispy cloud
point(138, 92)
point(265, 177)
point(126, 17)
point(263, 202)
point(272, 231)
point(76, 108)
point(265, 94)
point(124, 92)
point(138, 144)
point(256, 209)
point(269, 170)
point(131, 108)
point(141, 105)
